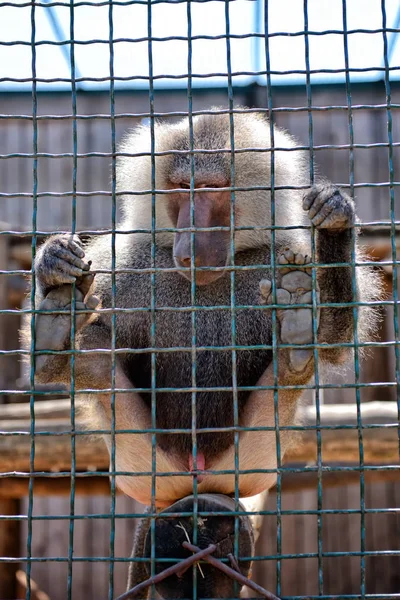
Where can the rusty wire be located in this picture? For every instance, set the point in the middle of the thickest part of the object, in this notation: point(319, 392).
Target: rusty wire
point(198, 555)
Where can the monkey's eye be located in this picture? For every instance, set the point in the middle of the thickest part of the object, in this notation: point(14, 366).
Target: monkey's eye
point(185, 186)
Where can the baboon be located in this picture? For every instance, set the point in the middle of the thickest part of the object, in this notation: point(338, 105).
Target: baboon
point(159, 274)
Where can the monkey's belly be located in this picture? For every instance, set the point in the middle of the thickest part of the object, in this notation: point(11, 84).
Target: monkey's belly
point(173, 479)
point(170, 486)
point(214, 408)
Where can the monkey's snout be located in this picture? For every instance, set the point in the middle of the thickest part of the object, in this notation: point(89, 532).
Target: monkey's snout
point(186, 263)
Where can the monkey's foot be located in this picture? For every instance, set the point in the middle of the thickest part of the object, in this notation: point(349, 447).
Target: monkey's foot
point(294, 286)
point(170, 532)
point(328, 208)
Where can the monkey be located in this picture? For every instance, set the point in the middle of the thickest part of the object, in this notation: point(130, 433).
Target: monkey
point(199, 247)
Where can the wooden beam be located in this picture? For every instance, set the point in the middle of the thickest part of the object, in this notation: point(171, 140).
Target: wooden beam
point(298, 482)
point(17, 487)
point(44, 409)
point(99, 485)
point(380, 444)
point(53, 452)
point(9, 547)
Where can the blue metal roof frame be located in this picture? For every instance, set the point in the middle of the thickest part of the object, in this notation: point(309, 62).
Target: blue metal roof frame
point(51, 25)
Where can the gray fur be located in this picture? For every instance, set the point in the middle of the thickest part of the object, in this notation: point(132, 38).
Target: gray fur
point(331, 211)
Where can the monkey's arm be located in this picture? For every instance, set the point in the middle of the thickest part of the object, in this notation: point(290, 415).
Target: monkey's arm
point(336, 323)
point(333, 214)
point(59, 263)
point(53, 333)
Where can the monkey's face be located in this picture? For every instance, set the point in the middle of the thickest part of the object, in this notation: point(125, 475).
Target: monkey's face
point(208, 214)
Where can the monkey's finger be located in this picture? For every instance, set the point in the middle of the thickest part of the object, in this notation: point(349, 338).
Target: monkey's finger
point(92, 302)
point(75, 245)
point(325, 212)
point(310, 196)
point(318, 195)
point(70, 258)
point(327, 197)
point(81, 316)
point(64, 278)
point(66, 270)
point(85, 283)
point(322, 215)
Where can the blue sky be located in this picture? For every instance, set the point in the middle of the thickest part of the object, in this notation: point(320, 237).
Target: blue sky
point(170, 57)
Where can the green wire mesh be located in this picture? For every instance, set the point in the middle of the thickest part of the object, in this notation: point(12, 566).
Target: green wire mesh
point(72, 197)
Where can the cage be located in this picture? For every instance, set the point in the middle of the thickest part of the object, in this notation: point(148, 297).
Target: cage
point(75, 78)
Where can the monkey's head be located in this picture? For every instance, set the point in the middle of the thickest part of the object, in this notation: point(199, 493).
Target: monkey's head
point(200, 205)
point(201, 183)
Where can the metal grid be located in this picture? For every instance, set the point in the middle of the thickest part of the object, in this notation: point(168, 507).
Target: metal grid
point(320, 468)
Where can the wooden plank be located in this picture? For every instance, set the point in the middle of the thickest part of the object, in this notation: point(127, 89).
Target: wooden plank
point(44, 409)
point(17, 487)
point(377, 412)
point(53, 453)
point(99, 485)
point(9, 548)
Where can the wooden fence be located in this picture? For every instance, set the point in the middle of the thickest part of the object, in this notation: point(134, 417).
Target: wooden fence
point(341, 531)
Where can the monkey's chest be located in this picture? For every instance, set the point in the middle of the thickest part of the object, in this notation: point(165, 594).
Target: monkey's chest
point(201, 360)
point(203, 354)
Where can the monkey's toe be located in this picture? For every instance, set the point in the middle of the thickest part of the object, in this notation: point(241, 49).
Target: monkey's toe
point(297, 259)
point(171, 532)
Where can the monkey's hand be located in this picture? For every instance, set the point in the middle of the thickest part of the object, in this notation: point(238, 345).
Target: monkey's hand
point(294, 286)
point(53, 329)
point(60, 261)
point(329, 208)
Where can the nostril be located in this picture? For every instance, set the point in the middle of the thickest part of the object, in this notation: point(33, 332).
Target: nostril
point(185, 262)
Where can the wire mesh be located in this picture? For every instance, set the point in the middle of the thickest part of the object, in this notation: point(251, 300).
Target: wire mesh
point(333, 542)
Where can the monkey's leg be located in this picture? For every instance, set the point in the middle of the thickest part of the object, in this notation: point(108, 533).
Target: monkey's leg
point(53, 333)
point(333, 213)
point(255, 504)
point(137, 569)
point(280, 386)
point(172, 531)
